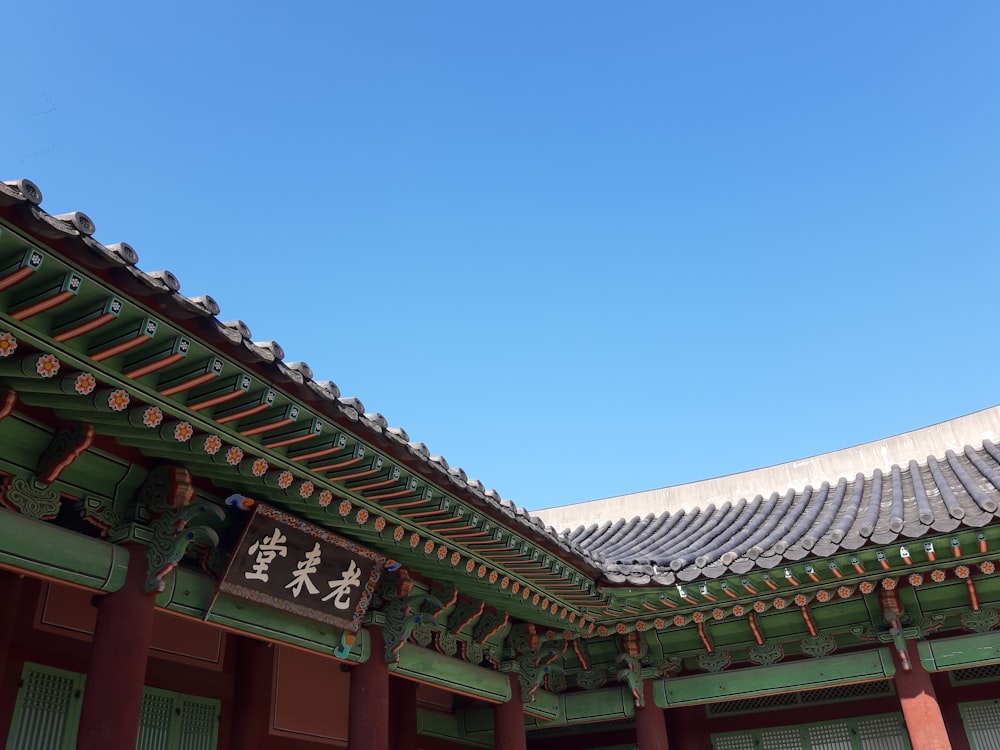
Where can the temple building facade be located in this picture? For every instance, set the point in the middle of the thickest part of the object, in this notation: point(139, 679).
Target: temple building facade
point(204, 547)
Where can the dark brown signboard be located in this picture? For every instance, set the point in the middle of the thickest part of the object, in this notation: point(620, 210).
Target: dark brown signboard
point(292, 565)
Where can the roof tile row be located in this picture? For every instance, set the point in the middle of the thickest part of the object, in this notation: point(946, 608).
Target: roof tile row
point(935, 497)
point(73, 231)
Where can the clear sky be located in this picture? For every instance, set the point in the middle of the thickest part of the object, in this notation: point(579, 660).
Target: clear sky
point(579, 249)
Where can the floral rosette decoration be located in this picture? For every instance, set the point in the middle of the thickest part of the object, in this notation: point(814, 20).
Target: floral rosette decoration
point(306, 490)
point(183, 431)
point(85, 383)
point(118, 400)
point(47, 365)
point(285, 480)
point(152, 417)
point(259, 467)
point(234, 455)
point(325, 498)
point(8, 344)
point(213, 444)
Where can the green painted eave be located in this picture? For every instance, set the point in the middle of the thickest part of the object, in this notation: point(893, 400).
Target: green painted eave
point(27, 545)
point(961, 652)
point(563, 579)
point(734, 684)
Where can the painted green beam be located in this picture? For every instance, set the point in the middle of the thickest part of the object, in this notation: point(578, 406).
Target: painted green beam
point(447, 727)
point(960, 652)
point(864, 666)
point(589, 707)
point(43, 549)
point(454, 675)
point(191, 594)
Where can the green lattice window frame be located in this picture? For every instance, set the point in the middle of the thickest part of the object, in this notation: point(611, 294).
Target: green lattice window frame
point(974, 675)
point(47, 714)
point(47, 709)
point(877, 732)
point(818, 697)
point(981, 720)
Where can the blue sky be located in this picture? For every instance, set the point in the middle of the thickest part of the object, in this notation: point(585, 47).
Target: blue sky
point(578, 248)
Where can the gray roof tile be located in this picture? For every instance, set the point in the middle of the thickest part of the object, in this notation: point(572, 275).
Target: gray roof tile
point(937, 495)
point(933, 497)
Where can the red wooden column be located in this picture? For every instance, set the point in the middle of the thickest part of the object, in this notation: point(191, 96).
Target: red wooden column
point(924, 722)
point(10, 593)
point(252, 700)
point(403, 710)
point(116, 671)
point(508, 719)
point(650, 727)
point(368, 712)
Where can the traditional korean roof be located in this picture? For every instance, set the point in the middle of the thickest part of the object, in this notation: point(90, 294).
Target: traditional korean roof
point(938, 495)
point(947, 493)
point(74, 231)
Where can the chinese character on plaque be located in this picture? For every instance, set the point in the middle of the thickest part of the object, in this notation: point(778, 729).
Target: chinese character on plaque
point(292, 565)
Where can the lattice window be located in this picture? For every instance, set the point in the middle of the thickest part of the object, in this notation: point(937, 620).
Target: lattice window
point(733, 742)
point(47, 710)
point(982, 724)
point(781, 739)
point(829, 737)
point(155, 720)
point(47, 714)
point(847, 692)
point(883, 733)
point(869, 733)
point(198, 724)
point(749, 705)
point(985, 673)
point(809, 697)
